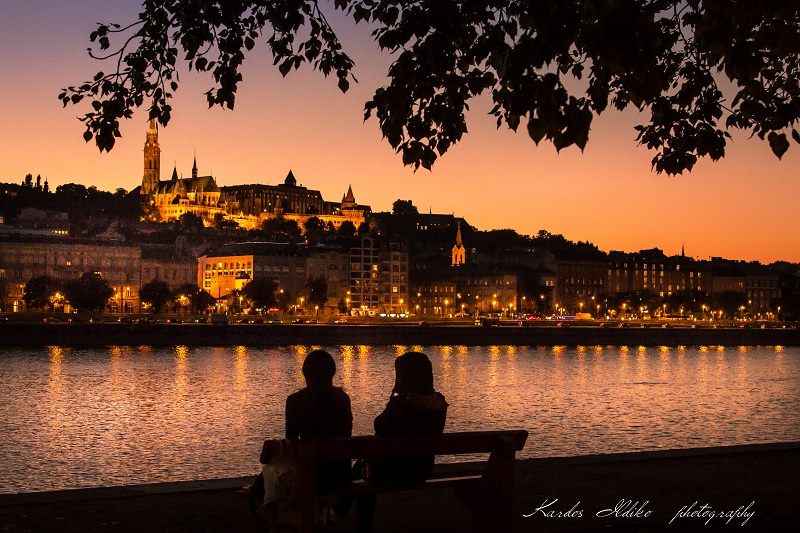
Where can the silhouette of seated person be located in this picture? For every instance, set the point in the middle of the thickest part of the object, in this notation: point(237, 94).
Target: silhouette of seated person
point(321, 410)
point(414, 408)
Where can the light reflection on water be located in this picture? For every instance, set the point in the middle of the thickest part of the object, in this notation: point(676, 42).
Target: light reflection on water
point(71, 417)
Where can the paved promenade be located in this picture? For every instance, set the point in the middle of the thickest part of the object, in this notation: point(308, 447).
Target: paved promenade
point(732, 488)
point(542, 334)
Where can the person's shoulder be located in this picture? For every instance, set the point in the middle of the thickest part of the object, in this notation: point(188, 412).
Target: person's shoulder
point(297, 396)
point(441, 399)
point(339, 393)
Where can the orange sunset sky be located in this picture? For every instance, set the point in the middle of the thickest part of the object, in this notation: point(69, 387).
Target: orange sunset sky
point(742, 207)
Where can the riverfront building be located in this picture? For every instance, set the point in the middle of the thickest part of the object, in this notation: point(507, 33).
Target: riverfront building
point(65, 259)
point(291, 266)
point(379, 276)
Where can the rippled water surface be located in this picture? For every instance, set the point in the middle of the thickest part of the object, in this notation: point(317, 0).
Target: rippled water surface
point(74, 418)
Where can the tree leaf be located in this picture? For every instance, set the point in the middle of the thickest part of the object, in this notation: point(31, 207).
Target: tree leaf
point(778, 143)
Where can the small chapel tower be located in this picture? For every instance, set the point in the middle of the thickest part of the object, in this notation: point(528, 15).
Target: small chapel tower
point(459, 252)
point(152, 161)
point(348, 200)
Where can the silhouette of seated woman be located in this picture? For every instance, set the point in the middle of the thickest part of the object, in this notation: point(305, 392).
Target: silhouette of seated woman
point(414, 408)
point(321, 410)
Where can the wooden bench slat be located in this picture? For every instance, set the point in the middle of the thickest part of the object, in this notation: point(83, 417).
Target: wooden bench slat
point(371, 447)
point(362, 487)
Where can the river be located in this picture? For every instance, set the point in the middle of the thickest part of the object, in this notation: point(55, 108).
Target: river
point(124, 415)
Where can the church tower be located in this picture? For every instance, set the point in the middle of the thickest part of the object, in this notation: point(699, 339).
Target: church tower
point(349, 200)
point(459, 252)
point(152, 161)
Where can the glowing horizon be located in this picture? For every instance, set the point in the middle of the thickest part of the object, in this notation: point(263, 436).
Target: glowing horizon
point(742, 207)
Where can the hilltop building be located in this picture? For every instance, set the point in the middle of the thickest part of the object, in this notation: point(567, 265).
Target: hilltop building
point(247, 205)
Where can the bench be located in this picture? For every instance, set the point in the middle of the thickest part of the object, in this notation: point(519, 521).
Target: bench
point(488, 494)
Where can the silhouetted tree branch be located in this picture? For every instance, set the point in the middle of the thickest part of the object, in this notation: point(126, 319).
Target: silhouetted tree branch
point(550, 65)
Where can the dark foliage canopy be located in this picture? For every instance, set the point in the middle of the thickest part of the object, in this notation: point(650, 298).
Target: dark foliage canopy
point(88, 207)
point(261, 292)
point(198, 299)
point(698, 68)
point(89, 292)
point(281, 229)
point(318, 291)
point(39, 290)
point(156, 293)
point(347, 229)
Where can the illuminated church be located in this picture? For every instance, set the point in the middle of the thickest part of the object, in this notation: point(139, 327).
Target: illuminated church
point(198, 195)
point(247, 205)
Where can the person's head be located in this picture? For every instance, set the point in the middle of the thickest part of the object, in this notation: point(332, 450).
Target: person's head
point(413, 373)
point(318, 369)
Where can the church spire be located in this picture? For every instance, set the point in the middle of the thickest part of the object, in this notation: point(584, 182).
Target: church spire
point(459, 253)
point(349, 199)
point(683, 251)
point(194, 165)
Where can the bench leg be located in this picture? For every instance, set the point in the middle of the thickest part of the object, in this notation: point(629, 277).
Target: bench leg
point(493, 508)
point(306, 488)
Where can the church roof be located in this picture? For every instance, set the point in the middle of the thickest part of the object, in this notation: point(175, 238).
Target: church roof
point(201, 184)
point(183, 185)
point(290, 180)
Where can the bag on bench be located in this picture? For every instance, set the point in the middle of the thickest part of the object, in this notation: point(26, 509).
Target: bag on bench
point(273, 494)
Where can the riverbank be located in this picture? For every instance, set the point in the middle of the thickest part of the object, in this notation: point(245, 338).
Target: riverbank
point(756, 484)
point(105, 334)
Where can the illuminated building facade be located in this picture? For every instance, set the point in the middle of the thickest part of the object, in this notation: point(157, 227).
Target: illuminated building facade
point(247, 205)
point(24, 258)
point(379, 276)
point(290, 266)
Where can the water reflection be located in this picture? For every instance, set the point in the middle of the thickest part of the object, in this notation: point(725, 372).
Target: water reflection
point(125, 415)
